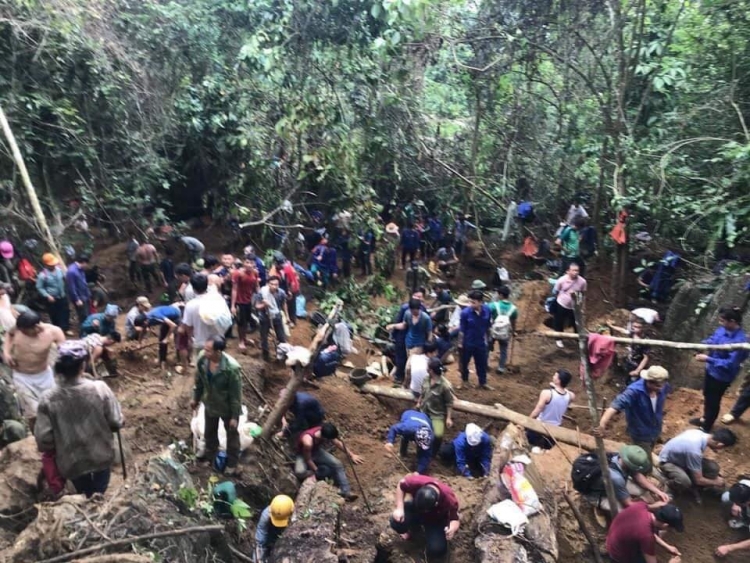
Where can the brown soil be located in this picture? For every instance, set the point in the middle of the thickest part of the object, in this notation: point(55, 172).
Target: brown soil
point(157, 413)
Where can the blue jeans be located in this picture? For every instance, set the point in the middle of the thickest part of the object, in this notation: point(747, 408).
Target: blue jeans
point(480, 363)
point(90, 483)
point(503, 352)
point(330, 465)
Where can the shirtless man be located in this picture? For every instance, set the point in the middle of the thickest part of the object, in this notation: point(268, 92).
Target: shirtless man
point(148, 261)
point(27, 351)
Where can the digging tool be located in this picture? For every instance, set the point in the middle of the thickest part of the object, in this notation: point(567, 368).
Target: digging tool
point(122, 456)
point(356, 477)
point(401, 461)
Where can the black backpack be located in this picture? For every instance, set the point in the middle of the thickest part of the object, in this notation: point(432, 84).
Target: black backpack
point(586, 473)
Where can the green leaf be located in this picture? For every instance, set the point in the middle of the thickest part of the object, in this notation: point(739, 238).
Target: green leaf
point(240, 509)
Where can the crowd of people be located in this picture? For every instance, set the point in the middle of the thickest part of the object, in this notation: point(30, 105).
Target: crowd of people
point(204, 300)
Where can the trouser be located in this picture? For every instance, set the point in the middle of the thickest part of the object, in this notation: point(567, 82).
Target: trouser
point(564, 318)
point(59, 313)
point(211, 434)
point(244, 317)
point(90, 483)
point(459, 246)
point(265, 328)
point(400, 358)
point(600, 500)
point(503, 345)
point(435, 540)
point(133, 270)
point(365, 263)
point(566, 261)
point(743, 401)
point(680, 480)
point(411, 253)
point(480, 363)
point(163, 348)
point(291, 306)
point(51, 473)
point(81, 313)
point(645, 443)
point(447, 455)
point(539, 440)
point(713, 391)
point(438, 431)
point(148, 271)
point(346, 265)
point(329, 463)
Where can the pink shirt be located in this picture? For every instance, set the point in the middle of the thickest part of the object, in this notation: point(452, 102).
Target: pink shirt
point(566, 287)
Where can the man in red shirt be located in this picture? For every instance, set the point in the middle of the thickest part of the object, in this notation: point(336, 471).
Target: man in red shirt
point(634, 533)
point(244, 286)
point(434, 508)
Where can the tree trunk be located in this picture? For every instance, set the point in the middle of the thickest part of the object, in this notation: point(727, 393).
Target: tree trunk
point(36, 208)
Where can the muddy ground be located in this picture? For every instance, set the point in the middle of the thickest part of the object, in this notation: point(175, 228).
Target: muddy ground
point(157, 414)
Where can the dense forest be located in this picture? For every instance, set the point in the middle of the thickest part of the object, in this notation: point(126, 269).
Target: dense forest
point(229, 107)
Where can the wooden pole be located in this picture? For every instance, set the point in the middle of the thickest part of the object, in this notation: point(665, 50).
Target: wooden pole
point(283, 404)
point(565, 435)
point(584, 527)
point(583, 347)
point(648, 342)
point(36, 208)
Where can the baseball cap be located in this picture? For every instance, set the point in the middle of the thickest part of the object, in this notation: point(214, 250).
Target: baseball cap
point(49, 259)
point(473, 434)
point(655, 373)
point(143, 302)
point(670, 514)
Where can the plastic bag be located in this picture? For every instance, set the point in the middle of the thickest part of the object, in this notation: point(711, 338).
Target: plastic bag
point(198, 429)
point(214, 311)
point(521, 491)
point(508, 514)
point(300, 306)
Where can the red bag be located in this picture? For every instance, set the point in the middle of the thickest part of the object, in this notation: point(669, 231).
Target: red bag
point(26, 271)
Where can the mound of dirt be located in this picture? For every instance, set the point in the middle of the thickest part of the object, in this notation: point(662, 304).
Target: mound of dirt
point(19, 466)
point(146, 507)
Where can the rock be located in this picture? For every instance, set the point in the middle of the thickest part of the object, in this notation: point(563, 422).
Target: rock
point(20, 463)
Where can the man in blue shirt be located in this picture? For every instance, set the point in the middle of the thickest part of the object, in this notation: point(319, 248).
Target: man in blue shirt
point(722, 366)
point(273, 521)
point(434, 234)
point(470, 450)
point(167, 317)
point(307, 411)
point(476, 320)
point(78, 290)
point(414, 426)
point(643, 403)
point(409, 244)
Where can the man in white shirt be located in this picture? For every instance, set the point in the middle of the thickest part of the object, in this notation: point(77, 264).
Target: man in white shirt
point(197, 330)
point(416, 369)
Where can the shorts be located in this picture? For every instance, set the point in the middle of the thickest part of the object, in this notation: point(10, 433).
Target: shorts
point(30, 387)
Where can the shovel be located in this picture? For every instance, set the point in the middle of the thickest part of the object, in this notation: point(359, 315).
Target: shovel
point(122, 456)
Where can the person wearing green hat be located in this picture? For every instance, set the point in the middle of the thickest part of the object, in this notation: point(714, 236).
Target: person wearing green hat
point(627, 471)
point(478, 285)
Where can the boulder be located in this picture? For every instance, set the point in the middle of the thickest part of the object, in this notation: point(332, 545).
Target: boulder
point(20, 463)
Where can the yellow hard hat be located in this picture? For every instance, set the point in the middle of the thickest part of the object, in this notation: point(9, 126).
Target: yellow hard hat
point(281, 510)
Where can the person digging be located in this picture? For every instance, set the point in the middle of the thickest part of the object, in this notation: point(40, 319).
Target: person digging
point(737, 500)
point(273, 521)
point(432, 510)
point(416, 427)
point(636, 531)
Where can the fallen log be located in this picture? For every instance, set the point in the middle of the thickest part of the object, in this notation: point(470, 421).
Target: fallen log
point(283, 404)
point(500, 412)
point(539, 541)
point(649, 342)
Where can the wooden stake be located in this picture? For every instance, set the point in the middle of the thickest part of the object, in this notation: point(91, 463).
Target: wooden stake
point(583, 341)
point(584, 527)
point(648, 342)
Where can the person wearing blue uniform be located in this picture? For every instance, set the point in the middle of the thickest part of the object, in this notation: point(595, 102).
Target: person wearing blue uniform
point(167, 317)
point(366, 250)
point(414, 426)
point(78, 290)
point(434, 235)
point(324, 263)
point(476, 320)
point(409, 244)
point(722, 366)
point(471, 451)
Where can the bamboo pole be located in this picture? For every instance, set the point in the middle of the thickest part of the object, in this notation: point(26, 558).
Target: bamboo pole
point(583, 341)
point(41, 221)
point(584, 528)
point(283, 404)
point(648, 342)
point(565, 435)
